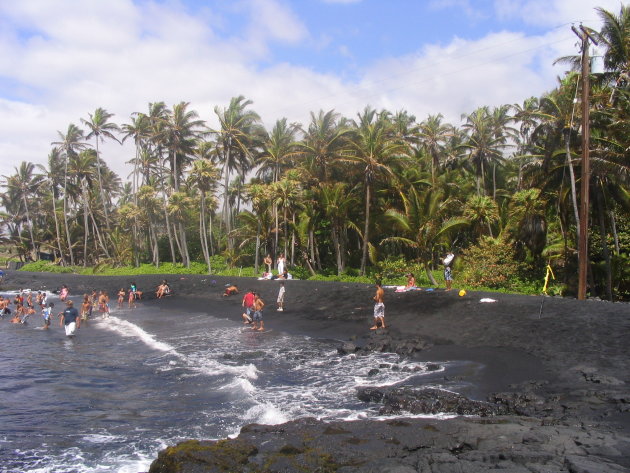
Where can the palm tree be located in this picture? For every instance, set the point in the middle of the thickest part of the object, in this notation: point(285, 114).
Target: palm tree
point(433, 135)
point(423, 223)
point(204, 176)
point(324, 143)
point(483, 144)
point(23, 185)
point(481, 211)
point(52, 174)
point(71, 143)
point(337, 201)
point(615, 37)
point(236, 140)
point(100, 128)
point(375, 149)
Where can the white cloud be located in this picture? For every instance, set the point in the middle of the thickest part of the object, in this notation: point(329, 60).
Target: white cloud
point(63, 59)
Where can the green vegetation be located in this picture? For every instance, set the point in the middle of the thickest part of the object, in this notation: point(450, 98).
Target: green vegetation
point(345, 198)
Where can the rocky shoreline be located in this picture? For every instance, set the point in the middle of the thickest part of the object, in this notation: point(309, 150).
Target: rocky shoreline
point(553, 395)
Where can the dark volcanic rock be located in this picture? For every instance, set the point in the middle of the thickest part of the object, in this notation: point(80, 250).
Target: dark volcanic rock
point(462, 445)
point(425, 401)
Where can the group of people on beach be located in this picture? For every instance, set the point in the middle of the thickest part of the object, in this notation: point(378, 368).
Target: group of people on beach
point(253, 307)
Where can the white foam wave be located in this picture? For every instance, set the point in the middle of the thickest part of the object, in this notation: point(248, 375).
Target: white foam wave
point(240, 384)
point(128, 329)
point(265, 413)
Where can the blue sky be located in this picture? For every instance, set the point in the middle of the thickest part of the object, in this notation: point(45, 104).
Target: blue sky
point(62, 59)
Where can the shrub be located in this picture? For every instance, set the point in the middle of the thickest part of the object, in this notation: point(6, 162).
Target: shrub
point(491, 264)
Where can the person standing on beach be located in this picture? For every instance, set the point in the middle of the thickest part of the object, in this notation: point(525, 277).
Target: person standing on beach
point(379, 307)
point(248, 306)
point(280, 299)
point(448, 272)
point(281, 264)
point(268, 262)
point(258, 325)
point(70, 319)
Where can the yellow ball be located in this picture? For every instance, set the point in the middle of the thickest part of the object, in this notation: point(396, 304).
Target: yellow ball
point(462, 293)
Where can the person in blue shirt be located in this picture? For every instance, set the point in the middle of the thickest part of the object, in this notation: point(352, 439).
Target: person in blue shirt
point(70, 319)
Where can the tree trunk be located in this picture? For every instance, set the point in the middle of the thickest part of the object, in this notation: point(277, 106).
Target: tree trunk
point(100, 185)
point(65, 212)
point(605, 252)
point(366, 229)
point(30, 227)
point(257, 255)
point(335, 238)
point(572, 179)
point(427, 270)
point(203, 232)
point(57, 232)
point(85, 222)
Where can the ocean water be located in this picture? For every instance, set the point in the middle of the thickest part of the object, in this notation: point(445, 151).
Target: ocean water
point(125, 387)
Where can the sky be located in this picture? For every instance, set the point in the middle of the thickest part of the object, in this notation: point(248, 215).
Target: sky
point(63, 59)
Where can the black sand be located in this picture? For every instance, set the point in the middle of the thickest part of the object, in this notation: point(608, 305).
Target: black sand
point(554, 386)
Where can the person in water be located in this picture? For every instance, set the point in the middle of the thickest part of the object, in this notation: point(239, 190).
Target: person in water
point(258, 325)
point(163, 289)
point(69, 319)
point(63, 294)
point(86, 308)
point(47, 315)
point(379, 308)
point(121, 297)
point(103, 304)
point(248, 306)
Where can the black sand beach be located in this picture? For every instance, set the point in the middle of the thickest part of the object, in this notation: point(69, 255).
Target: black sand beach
point(553, 395)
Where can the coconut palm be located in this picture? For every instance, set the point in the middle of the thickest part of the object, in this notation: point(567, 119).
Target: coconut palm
point(614, 35)
point(423, 223)
point(324, 143)
point(71, 143)
point(337, 201)
point(100, 128)
point(236, 141)
point(375, 149)
point(53, 177)
point(433, 135)
point(481, 211)
point(204, 177)
point(483, 145)
point(23, 185)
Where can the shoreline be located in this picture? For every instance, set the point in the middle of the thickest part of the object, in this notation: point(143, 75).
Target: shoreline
point(561, 376)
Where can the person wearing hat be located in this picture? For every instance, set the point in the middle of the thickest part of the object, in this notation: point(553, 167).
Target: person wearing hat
point(70, 319)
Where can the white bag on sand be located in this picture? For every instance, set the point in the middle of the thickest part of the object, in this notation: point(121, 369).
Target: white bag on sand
point(487, 299)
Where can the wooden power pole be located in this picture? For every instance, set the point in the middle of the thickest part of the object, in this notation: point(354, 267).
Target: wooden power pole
point(584, 36)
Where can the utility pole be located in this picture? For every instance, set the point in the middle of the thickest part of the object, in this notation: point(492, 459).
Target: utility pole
point(584, 36)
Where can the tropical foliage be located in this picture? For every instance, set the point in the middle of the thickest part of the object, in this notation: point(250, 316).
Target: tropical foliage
point(355, 196)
